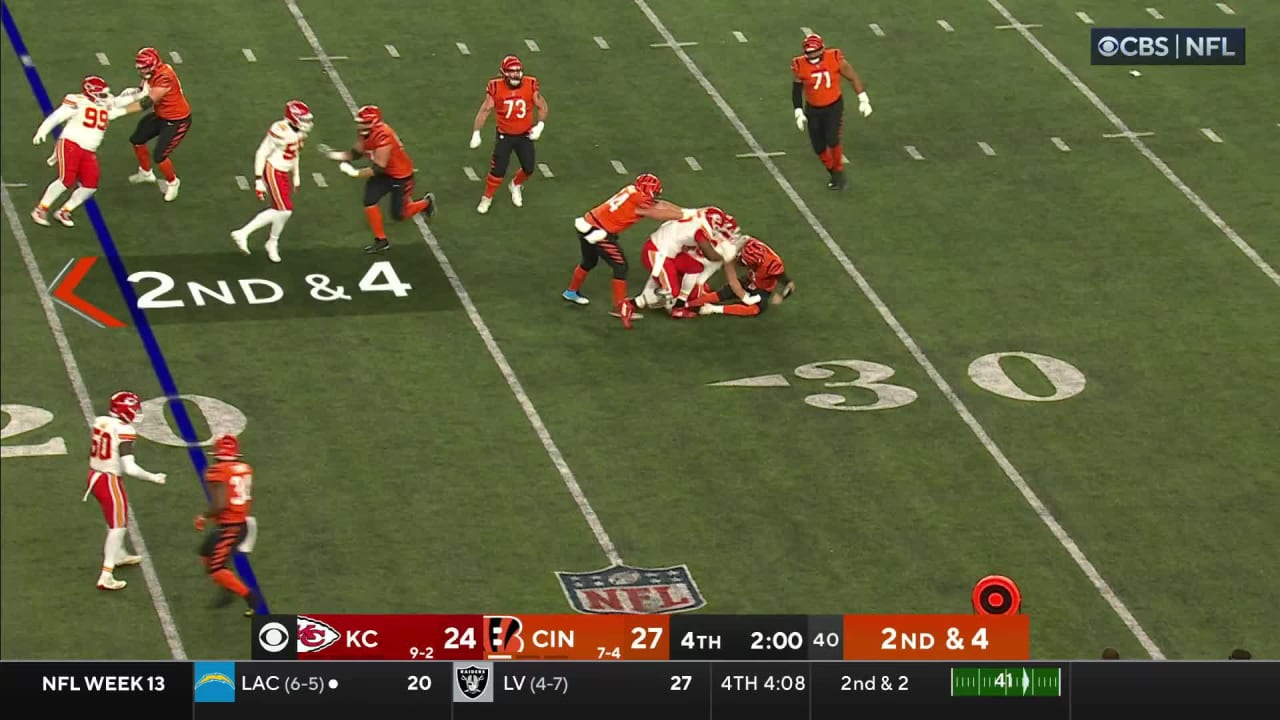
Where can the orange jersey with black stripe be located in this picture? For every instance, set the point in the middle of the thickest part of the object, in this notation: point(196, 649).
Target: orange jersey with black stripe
point(618, 212)
point(513, 106)
point(174, 105)
point(398, 165)
point(763, 263)
point(821, 80)
point(238, 477)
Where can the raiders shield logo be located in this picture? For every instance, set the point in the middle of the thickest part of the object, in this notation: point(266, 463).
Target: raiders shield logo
point(472, 683)
point(626, 590)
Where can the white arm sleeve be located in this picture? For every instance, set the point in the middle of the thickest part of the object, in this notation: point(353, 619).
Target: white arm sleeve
point(57, 117)
point(260, 157)
point(132, 469)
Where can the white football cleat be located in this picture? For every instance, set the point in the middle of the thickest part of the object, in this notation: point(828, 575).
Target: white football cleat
point(517, 195)
point(483, 207)
point(64, 216)
point(171, 190)
point(273, 250)
point(41, 216)
point(142, 176)
point(129, 560)
point(241, 239)
point(107, 582)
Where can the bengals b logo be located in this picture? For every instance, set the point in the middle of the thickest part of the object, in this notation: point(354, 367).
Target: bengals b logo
point(502, 636)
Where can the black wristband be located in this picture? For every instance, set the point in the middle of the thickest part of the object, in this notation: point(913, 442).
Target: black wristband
point(797, 95)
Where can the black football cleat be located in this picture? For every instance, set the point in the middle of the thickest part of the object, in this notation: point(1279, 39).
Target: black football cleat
point(253, 600)
point(430, 211)
point(838, 181)
point(379, 245)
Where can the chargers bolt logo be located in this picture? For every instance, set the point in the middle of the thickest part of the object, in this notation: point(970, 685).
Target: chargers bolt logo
point(1108, 46)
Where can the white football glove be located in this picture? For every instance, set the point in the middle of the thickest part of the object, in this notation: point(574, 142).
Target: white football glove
point(475, 139)
point(864, 104)
point(39, 138)
point(297, 180)
point(348, 169)
point(751, 299)
point(801, 120)
point(260, 188)
point(159, 478)
point(536, 132)
point(52, 159)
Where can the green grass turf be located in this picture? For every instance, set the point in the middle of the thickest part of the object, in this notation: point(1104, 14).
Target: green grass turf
point(397, 472)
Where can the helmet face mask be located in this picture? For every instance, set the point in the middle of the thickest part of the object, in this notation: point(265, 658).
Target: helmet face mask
point(813, 48)
point(299, 116)
point(512, 70)
point(96, 89)
point(367, 118)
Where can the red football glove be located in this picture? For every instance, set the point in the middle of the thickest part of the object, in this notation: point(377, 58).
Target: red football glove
point(200, 522)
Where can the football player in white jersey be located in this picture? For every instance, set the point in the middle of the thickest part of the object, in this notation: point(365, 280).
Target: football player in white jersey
point(679, 252)
point(86, 115)
point(276, 167)
point(110, 457)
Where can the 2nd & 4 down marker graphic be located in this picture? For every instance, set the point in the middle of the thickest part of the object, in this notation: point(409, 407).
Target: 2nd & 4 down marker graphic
point(63, 290)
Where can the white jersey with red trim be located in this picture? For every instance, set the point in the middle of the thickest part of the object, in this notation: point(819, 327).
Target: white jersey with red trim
point(104, 449)
point(676, 236)
point(282, 143)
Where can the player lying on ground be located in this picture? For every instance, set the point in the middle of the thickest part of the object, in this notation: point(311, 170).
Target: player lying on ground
point(390, 172)
point(277, 167)
point(599, 229)
point(674, 256)
point(110, 457)
point(766, 284)
point(84, 117)
point(230, 482)
point(514, 96)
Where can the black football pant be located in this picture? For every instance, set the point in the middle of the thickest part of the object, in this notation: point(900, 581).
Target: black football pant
point(825, 124)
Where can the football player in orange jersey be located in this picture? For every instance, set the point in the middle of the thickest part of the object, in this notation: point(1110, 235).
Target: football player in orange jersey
point(390, 172)
point(167, 120)
point(230, 482)
point(819, 104)
point(765, 273)
point(598, 232)
point(514, 95)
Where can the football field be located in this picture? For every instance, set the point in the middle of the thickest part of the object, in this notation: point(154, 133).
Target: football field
point(1038, 336)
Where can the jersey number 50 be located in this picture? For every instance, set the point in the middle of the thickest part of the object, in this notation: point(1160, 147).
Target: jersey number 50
point(100, 447)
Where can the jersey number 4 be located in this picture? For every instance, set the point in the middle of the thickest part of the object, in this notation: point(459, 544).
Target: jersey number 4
point(100, 447)
point(515, 107)
point(241, 489)
point(95, 118)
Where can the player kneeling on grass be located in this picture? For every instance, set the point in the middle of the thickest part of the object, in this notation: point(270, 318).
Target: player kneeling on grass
point(276, 166)
point(84, 116)
point(110, 457)
point(390, 172)
point(765, 273)
point(230, 482)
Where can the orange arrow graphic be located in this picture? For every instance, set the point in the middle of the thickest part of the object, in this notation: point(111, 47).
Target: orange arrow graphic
point(63, 290)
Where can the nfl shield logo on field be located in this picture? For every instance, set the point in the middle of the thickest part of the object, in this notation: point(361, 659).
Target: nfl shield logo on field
point(472, 682)
point(626, 590)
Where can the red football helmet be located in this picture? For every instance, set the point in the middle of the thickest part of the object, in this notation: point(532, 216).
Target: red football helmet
point(226, 447)
point(512, 70)
point(299, 115)
point(367, 117)
point(649, 184)
point(147, 60)
point(813, 47)
point(126, 405)
point(95, 88)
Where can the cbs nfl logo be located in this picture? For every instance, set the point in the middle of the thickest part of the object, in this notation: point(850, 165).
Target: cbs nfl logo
point(1167, 46)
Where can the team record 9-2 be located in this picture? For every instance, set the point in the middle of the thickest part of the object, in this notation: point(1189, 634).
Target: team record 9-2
point(648, 666)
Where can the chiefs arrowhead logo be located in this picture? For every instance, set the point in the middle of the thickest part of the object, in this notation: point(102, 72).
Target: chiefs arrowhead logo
point(314, 635)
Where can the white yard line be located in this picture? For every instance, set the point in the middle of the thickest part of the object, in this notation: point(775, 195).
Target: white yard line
point(1209, 133)
point(248, 55)
point(986, 149)
point(175, 57)
point(392, 51)
point(167, 624)
point(601, 42)
point(470, 173)
point(482, 328)
point(946, 26)
point(1226, 9)
point(1146, 151)
point(737, 35)
point(913, 152)
point(532, 45)
point(462, 48)
point(876, 30)
point(319, 180)
point(1060, 144)
point(242, 182)
point(103, 60)
point(1011, 472)
point(692, 162)
point(1084, 18)
point(1154, 13)
point(618, 167)
point(545, 169)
